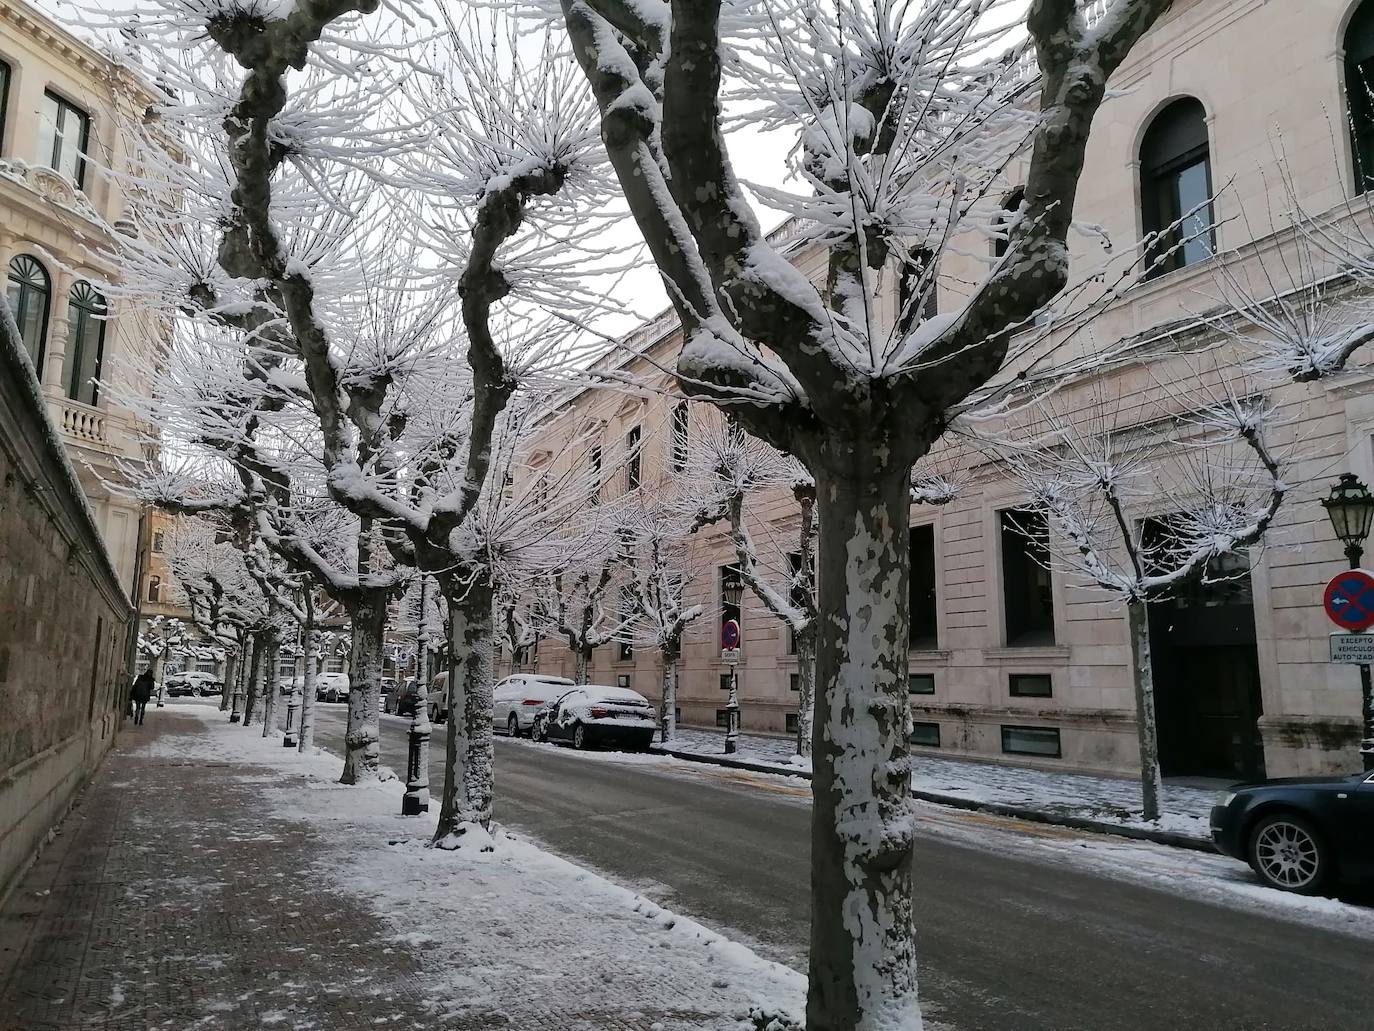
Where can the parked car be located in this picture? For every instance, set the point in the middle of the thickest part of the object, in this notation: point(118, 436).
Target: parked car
point(438, 698)
point(332, 687)
point(402, 702)
point(594, 715)
point(516, 699)
point(177, 685)
point(202, 682)
point(1300, 833)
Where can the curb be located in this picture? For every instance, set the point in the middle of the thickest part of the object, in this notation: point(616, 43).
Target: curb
point(1081, 823)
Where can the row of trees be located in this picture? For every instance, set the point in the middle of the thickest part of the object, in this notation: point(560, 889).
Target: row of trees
point(379, 247)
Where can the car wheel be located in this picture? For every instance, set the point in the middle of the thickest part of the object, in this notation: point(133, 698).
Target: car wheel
point(513, 726)
point(540, 731)
point(1288, 853)
point(579, 736)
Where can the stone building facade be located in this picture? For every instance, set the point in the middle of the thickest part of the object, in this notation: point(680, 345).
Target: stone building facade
point(58, 130)
point(65, 618)
point(1015, 662)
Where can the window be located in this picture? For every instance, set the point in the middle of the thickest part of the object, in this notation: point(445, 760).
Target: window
point(1031, 741)
point(632, 458)
point(86, 318)
point(594, 461)
point(681, 427)
point(1176, 179)
point(155, 588)
point(677, 714)
point(1359, 93)
point(4, 98)
point(158, 540)
point(723, 718)
point(1026, 578)
point(725, 681)
point(921, 587)
point(1010, 207)
point(917, 298)
point(794, 683)
point(927, 735)
point(920, 683)
point(64, 132)
point(1031, 685)
point(623, 680)
point(29, 292)
point(790, 722)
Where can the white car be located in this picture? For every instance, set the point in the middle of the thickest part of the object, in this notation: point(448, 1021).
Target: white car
point(332, 687)
point(516, 699)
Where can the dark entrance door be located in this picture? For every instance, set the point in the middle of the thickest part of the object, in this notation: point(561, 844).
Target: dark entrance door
point(1207, 689)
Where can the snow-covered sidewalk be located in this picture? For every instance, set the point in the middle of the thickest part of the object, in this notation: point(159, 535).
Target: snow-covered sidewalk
point(1106, 800)
point(291, 901)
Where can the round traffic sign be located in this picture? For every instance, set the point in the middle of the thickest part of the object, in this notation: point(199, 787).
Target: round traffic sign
point(1349, 599)
point(729, 634)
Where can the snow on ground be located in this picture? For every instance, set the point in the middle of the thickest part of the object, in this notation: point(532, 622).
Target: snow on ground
point(1107, 799)
point(512, 932)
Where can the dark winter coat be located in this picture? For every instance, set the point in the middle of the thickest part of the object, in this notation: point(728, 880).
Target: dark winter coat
point(143, 687)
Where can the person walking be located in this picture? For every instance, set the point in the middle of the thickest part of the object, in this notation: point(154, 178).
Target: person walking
point(143, 690)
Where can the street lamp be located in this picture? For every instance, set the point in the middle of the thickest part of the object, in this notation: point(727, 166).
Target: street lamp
point(1351, 508)
point(732, 589)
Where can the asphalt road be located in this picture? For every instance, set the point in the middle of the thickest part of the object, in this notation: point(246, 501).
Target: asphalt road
point(1007, 942)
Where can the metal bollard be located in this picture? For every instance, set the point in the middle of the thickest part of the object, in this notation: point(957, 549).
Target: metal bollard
point(293, 708)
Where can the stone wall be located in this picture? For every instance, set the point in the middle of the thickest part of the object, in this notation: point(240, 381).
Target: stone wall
point(64, 621)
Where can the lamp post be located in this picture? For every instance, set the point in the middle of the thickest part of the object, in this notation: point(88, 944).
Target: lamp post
point(416, 799)
point(1350, 507)
point(289, 737)
point(732, 588)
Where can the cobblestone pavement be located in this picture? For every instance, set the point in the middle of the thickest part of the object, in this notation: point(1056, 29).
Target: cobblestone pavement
point(183, 892)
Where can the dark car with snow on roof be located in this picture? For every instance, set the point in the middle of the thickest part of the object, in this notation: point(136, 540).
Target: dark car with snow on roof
point(591, 714)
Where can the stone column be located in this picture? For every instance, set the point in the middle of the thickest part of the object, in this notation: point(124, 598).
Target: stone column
point(59, 332)
point(9, 247)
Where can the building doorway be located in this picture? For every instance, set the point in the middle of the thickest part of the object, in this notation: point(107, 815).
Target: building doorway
point(1206, 669)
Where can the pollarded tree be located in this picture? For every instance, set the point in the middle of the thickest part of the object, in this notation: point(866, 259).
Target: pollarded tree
point(1147, 508)
point(906, 116)
point(724, 468)
point(658, 578)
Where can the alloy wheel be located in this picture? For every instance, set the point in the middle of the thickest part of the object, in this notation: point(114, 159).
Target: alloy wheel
point(1287, 854)
point(513, 726)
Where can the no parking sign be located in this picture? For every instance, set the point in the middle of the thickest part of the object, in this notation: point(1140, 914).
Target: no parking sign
point(1349, 599)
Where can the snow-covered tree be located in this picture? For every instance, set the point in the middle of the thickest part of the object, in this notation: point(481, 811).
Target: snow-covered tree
point(658, 579)
point(906, 116)
point(724, 468)
point(1145, 508)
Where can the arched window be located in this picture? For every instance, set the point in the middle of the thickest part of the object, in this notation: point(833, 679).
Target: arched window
point(86, 318)
point(1010, 207)
point(917, 290)
point(29, 291)
point(154, 588)
point(1175, 187)
point(1359, 93)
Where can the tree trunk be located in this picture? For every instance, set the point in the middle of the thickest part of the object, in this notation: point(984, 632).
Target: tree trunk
point(806, 689)
point(307, 738)
point(469, 767)
point(362, 740)
point(231, 670)
point(251, 688)
point(271, 688)
point(584, 660)
point(669, 715)
point(863, 949)
point(1142, 672)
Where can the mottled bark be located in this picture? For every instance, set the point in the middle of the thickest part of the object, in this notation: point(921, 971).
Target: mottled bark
point(1142, 674)
point(307, 738)
point(469, 757)
point(668, 718)
point(362, 741)
point(582, 666)
point(806, 689)
point(271, 688)
point(250, 700)
point(863, 953)
point(231, 670)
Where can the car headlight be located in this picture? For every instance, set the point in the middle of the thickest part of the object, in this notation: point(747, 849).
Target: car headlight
point(1227, 798)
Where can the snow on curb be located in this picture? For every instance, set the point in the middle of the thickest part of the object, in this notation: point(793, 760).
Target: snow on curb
point(510, 930)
